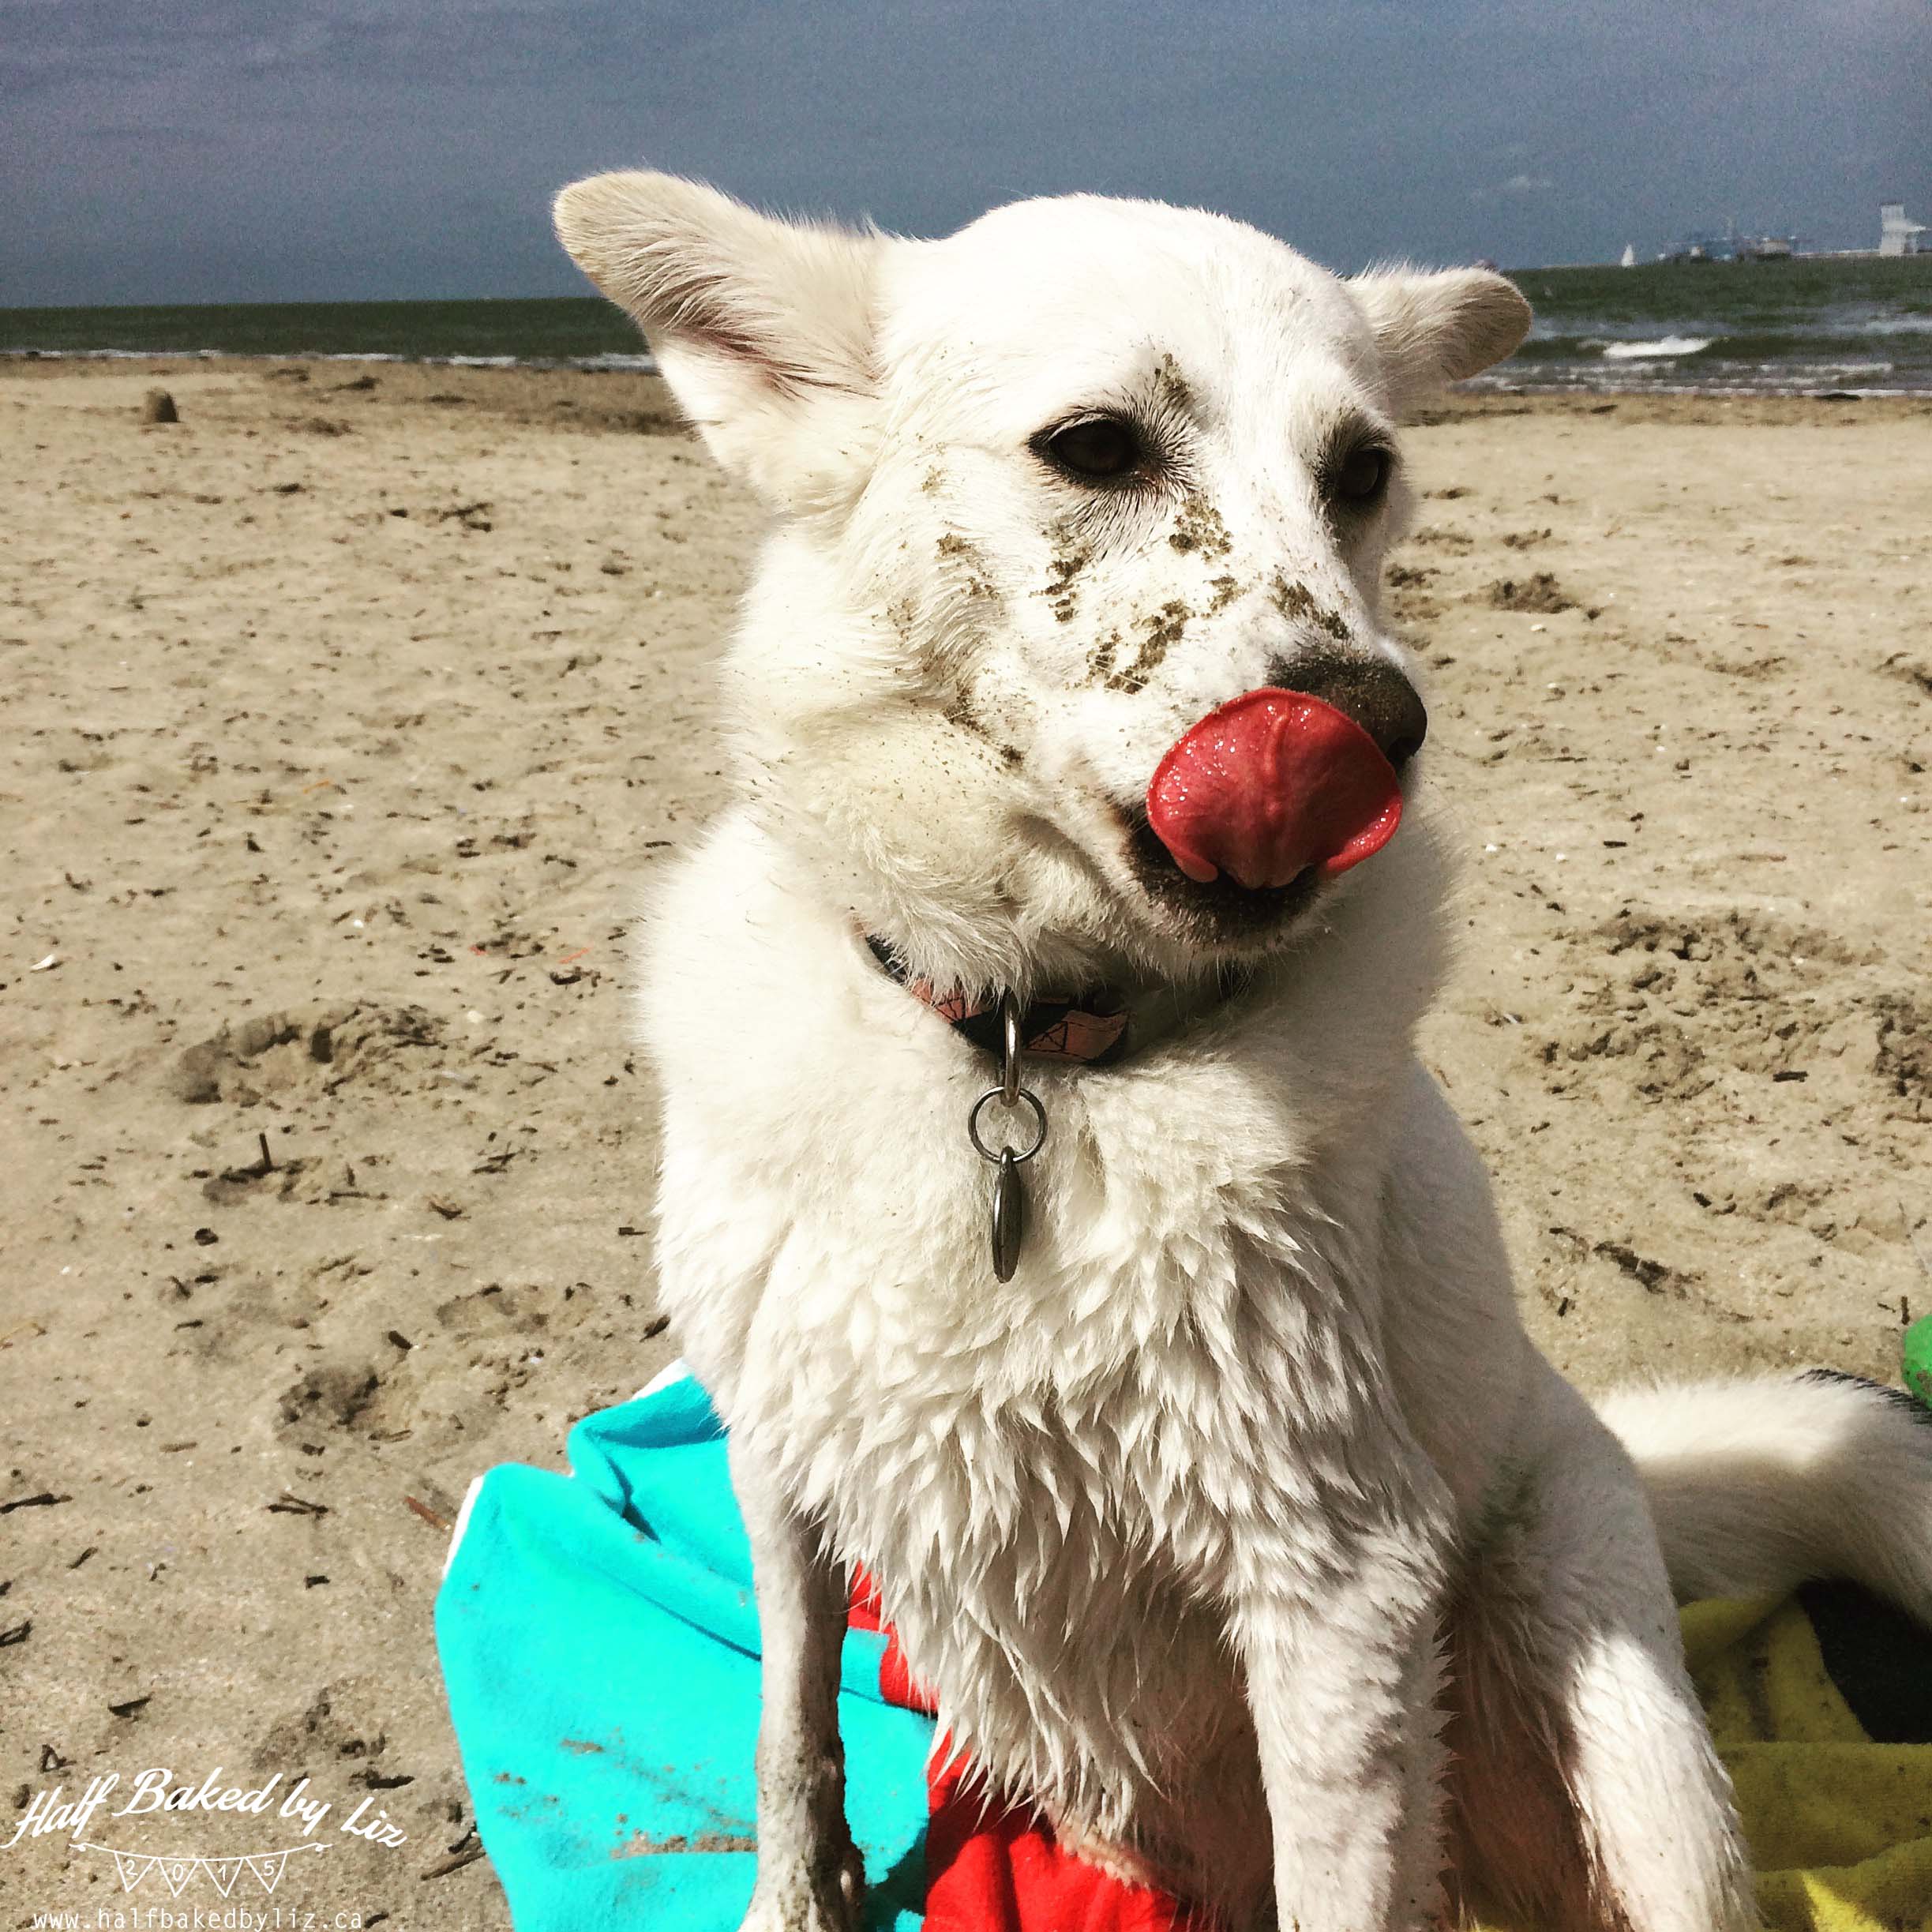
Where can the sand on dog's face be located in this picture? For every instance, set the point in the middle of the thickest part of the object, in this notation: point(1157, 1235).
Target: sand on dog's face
point(1076, 625)
point(347, 722)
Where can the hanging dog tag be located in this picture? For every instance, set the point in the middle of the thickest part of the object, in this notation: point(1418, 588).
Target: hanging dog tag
point(1009, 1216)
point(1009, 1191)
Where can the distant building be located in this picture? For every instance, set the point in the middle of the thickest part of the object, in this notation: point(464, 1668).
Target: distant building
point(1897, 235)
point(1732, 246)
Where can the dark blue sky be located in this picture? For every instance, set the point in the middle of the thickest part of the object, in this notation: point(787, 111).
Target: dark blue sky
point(170, 151)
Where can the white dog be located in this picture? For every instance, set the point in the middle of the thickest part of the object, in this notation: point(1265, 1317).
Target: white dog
point(1242, 1527)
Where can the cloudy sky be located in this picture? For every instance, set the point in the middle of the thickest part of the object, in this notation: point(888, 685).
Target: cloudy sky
point(170, 151)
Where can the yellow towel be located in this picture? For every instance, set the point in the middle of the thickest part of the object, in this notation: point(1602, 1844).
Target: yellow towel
point(1840, 1827)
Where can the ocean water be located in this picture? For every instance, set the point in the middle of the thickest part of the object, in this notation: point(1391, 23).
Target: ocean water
point(1810, 325)
point(573, 331)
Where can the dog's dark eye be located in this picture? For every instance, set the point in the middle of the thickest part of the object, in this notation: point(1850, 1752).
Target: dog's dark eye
point(1101, 449)
point(1362, 474)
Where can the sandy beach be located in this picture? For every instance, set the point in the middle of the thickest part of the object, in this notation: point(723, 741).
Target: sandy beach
point(349, 716)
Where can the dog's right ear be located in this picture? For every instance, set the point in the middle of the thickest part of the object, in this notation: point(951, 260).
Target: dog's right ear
point(762, 327)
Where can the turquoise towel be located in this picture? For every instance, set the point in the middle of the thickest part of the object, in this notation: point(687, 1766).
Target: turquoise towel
point(599, 1644)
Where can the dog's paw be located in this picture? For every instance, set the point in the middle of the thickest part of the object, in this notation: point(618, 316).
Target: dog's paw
point(809, 1901)
point(804, 1911)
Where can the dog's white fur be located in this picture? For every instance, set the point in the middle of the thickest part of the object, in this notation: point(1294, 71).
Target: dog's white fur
point(1202, 1526)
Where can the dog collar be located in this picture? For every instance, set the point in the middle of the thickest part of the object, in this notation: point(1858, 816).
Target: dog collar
point(1091, 1029)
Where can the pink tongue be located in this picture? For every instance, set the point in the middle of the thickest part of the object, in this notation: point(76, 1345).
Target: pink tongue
point(1270, 784)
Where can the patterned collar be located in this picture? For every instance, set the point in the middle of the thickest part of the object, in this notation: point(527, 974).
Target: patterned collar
point(1100, 1027)
point(1090, 1028)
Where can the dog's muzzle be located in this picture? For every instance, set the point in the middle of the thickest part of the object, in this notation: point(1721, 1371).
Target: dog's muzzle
point(1277, 783)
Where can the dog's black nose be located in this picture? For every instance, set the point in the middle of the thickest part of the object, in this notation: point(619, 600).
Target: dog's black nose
point(1370, 690)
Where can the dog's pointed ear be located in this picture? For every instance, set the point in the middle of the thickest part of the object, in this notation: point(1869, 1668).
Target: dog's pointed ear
point(1434, 326)
point(762, 327)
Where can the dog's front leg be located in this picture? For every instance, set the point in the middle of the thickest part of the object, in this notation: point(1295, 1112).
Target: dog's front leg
point(1342, 1678)
point(809, 1874)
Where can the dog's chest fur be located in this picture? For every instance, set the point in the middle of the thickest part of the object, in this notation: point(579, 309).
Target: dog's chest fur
point(1050, 1479)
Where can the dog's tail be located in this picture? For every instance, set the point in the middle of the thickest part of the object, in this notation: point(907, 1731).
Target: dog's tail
point(1759, 1485)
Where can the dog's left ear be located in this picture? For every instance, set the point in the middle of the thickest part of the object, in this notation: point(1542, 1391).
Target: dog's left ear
point(761, 327)
point(1437, 326)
